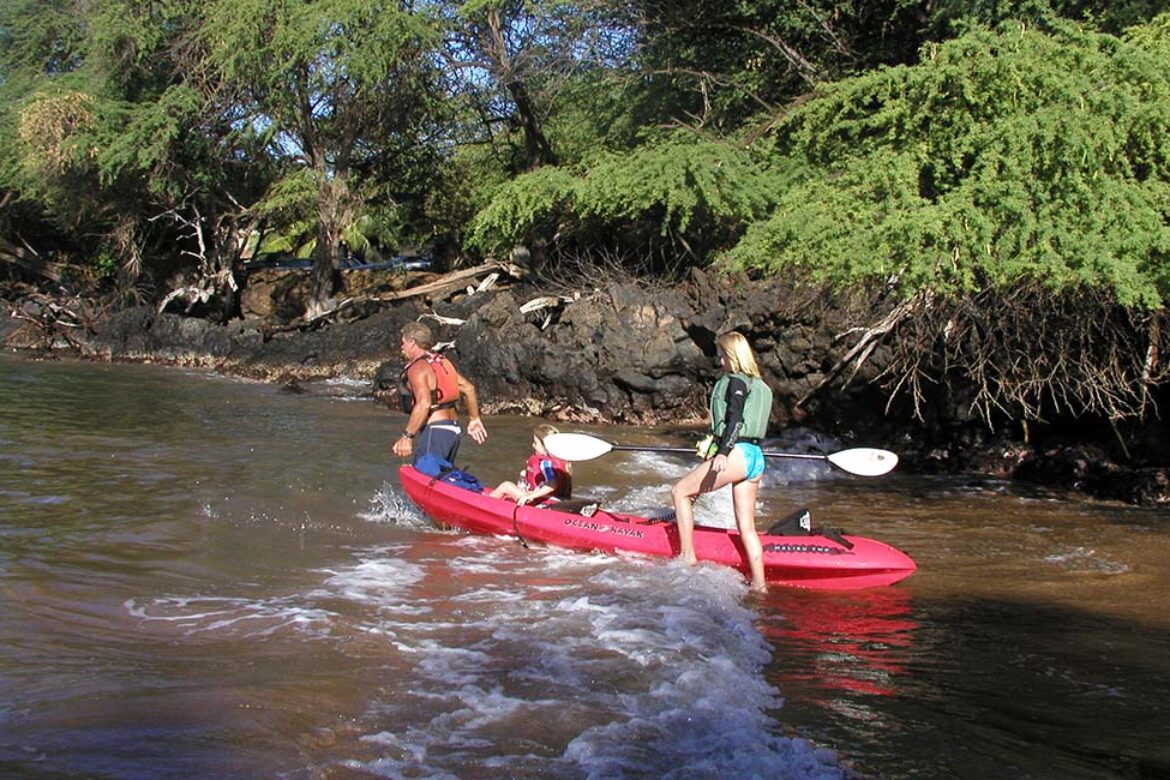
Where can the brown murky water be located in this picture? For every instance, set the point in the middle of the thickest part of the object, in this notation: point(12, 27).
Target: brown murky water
point(203, 577)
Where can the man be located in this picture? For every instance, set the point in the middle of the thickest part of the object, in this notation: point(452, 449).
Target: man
point(430, 388)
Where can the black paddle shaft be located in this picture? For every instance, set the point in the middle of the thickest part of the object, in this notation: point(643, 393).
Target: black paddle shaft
point(692, 451)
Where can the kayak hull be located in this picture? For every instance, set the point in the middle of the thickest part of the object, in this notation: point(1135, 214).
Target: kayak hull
point(816, 562)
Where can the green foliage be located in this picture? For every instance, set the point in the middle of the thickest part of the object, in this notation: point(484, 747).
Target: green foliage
point(676, 185)
point(290, 204)
point(725, 62)
point(522, 207)
point(105, 262)
point(106, 129)
point(324, 57)
point(343, 90)
point(290, 207)
point(1153, 36)
point(39, 38)
point(378, 229)
point(289, 198)
point(598, 111)
point(143, 137)
point(40, 43)
point(683, 178)
point(951, 18)
point(1001, 159)
point(1035, 153)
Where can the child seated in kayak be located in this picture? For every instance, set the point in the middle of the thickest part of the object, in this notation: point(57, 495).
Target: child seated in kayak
point(544, 477)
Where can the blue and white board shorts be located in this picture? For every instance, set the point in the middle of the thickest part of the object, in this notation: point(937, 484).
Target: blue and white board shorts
point(753, 456)
point(441, 438)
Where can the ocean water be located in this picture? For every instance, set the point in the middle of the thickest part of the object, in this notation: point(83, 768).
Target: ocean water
point(207, 577)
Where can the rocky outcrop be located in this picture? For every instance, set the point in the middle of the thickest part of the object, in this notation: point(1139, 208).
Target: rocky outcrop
point(632, 353)
point(628, 353)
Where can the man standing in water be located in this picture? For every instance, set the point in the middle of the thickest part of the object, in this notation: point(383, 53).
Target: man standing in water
point(429, 388)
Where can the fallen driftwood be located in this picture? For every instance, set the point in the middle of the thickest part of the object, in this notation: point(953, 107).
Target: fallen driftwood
point(443, 320)
point(546, 302)
point(25, 258)
point(56, 319)
point(444, 284)
point(450, 281)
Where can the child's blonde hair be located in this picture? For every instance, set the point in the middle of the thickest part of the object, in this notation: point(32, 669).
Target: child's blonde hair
point(540, 432)
point(543, 430)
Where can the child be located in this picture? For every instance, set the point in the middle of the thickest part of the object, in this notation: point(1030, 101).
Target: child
point(544, 476)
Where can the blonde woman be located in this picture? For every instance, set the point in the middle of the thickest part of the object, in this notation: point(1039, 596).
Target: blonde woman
point(545, 477)
point(741, 403)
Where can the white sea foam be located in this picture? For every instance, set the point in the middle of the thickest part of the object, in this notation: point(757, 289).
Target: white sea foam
point(390, 505)
point(375, 579)
point(380, 577)
point(644, 668)
point(1086, 559)
point(545, 662)
point(194, 615)
point(347, 381)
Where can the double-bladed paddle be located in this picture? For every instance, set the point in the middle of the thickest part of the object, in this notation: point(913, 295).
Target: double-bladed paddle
point(861, 461)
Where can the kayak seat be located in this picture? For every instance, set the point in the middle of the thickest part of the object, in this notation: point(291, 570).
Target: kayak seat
point(576, 506)
point(798, 523)
point(657, 514)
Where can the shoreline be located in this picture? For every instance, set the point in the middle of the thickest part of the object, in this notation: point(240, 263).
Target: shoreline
point(1068, 469)
point(622, 356)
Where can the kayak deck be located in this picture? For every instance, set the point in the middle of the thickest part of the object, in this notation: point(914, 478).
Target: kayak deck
point(813, 561)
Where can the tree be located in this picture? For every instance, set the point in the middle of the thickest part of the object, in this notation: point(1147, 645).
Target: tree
point(344, 94)
point(509, 61)
point(40, 43)
point(111, 129)
point(722, 64)
point(684, 192)
point(951, 18)
point(1022, 169)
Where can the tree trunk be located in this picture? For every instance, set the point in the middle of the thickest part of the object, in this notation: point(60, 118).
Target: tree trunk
point(324, 280)
point(537, 150)
point(332, 213)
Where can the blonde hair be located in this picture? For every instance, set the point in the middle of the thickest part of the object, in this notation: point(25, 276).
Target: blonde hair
point(740, 357)
point(543, 430)
point(419, 333)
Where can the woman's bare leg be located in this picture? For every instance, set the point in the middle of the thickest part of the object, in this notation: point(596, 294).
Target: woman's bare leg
point(701, 479)
point(743, 499)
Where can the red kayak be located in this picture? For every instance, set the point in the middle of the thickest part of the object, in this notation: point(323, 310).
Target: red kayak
point(819, 562)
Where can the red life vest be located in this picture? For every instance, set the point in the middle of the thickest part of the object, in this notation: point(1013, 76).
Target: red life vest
point(536, 473)
point(446, 392)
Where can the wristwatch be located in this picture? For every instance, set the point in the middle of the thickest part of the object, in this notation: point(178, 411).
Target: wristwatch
point(408, 434)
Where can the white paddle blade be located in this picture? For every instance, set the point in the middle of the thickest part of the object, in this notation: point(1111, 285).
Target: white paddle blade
point(865, 462)
point(576, 446)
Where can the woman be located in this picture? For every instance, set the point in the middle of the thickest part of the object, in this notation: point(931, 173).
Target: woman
point(741, 403)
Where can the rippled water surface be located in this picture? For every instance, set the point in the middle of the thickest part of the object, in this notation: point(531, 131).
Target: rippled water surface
point(205, 577)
